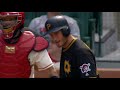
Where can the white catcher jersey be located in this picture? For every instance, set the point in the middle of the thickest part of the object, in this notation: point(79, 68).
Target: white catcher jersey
point(41, 60)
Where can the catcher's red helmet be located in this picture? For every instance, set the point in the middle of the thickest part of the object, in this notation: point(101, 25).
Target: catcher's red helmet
point(7, 19)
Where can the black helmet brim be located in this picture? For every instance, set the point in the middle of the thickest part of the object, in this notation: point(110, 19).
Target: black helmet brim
point(55, 30)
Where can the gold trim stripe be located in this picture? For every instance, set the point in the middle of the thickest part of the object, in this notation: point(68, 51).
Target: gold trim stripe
point(70, 44)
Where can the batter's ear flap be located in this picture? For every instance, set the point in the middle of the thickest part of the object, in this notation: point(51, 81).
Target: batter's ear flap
point(66, 31)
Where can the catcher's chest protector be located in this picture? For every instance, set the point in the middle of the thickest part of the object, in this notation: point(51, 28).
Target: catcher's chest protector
point(14, 61)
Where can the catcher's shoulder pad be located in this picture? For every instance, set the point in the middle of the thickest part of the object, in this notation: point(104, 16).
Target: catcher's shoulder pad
point(40, 44)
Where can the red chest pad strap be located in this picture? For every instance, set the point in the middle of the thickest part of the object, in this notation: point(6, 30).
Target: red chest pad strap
point(40, 44)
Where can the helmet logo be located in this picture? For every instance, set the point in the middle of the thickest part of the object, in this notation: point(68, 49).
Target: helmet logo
point(48, 26)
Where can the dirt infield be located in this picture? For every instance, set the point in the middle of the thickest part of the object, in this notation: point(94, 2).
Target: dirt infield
point(109, 72)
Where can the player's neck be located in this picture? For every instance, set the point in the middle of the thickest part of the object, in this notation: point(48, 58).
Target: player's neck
point(70, 38)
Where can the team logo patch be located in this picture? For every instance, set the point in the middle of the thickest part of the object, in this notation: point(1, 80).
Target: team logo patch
point(9, 49)
point(67, 67)
point(85, 68)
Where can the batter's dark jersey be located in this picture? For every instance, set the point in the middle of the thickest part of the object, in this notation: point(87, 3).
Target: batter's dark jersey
point(77, 61)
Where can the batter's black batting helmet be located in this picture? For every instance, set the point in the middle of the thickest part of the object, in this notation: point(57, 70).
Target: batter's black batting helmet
point(57, 23)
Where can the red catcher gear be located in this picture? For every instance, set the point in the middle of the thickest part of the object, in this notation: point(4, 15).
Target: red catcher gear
point(14, 61)
point(41, 44)
point(9, 16)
